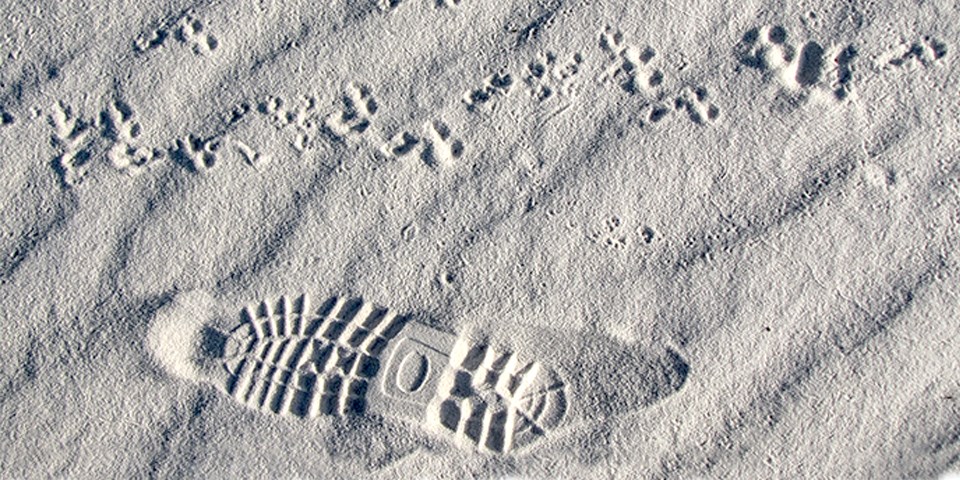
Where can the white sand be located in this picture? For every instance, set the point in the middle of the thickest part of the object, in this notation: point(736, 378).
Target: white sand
point(592, 239)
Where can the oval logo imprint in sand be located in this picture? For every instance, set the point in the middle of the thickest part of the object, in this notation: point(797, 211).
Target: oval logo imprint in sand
point(413, 372)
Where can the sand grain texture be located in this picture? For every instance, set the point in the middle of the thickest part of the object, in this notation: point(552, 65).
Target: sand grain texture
point(467, 238)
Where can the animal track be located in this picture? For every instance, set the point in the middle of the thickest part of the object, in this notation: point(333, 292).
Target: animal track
point(548, 76)
point(629, 64)
point(437, 146)
point(655, 112)
point(400, 145)
point(251, 156)
point(766, 48)
point(494, 86)
point(611, 235)
point(631, 68)
point(151, 40)
point(550, 80)
point(350, 357)
point(71, 138)
point(389, 5)
point(804, 69)
point(239, 112)
point(646, 233)
point(927, 52)
point(191, 32)
point(305, 119)
point(127, 153)
point(359, 107)
point(696, 102)
point(199, 155)
point(840, 71)
point(440, 149)
point(187, 30)
point(272, 107)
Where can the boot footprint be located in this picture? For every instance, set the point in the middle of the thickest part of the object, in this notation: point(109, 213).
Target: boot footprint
point(350, 357)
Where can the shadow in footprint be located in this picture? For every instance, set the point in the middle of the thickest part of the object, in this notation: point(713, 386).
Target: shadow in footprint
point(810, 65)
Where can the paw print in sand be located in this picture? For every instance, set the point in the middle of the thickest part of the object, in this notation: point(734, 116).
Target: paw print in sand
point(359, 107)
point(191, 31)
point(697, 104)
point(128, 153)
point(630, 66)
point(807, 69)
point(548, 76)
